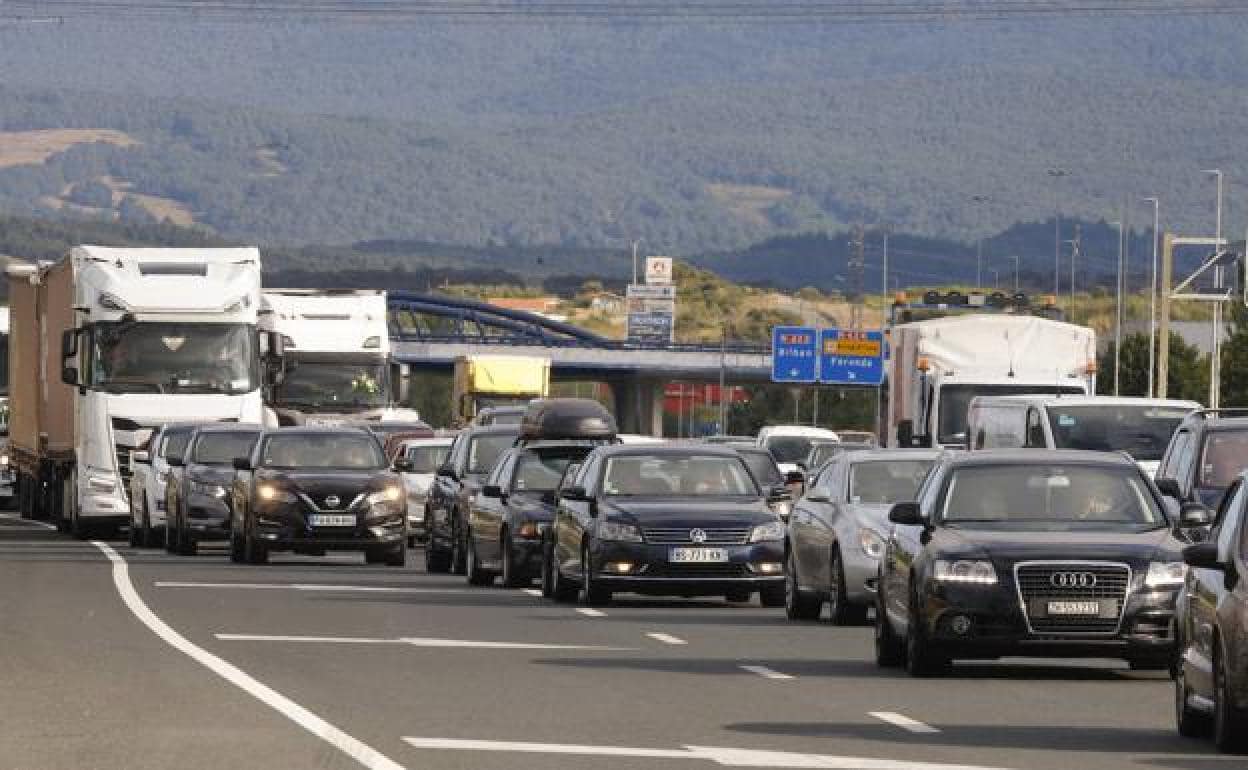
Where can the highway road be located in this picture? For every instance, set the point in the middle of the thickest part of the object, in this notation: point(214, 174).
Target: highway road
point(118, 658)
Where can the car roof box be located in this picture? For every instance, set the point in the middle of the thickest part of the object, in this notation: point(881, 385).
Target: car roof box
point(567, 418)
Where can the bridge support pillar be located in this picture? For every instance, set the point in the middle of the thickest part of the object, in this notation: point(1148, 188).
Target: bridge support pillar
point(639, 405)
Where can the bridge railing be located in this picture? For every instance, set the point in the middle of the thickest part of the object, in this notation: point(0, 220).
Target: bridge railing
point(603, 344)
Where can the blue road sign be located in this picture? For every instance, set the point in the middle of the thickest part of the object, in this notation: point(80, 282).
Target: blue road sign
point(794, 354)
point(851, 357)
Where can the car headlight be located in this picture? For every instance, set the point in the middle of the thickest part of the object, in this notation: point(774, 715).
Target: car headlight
point(205, 488)
point(269, 493)
point(619, 531)
point(771, 531)
point(386, 496)
point(964, 571)
point(1165, 574)
point(871, 543)
point(781, 508)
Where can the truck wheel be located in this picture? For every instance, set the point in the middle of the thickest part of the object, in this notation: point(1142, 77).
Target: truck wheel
point(78, 528)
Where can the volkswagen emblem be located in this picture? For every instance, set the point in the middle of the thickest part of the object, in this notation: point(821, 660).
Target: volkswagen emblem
point(697, 536)
point(332, 501)
point(1073, 580)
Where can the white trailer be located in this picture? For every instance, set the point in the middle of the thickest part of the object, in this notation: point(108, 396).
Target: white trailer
point(338, 367)
point(939, 365)
point(109, 343)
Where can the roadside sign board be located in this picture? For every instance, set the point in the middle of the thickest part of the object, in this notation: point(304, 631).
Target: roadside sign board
point(794, 354)
point(659, 271)
point(851, 357)
point(651, 314)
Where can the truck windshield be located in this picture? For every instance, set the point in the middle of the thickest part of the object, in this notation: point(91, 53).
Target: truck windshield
point(333, 386)
point(127, 357)
point(1141, 430)
point(956, 399)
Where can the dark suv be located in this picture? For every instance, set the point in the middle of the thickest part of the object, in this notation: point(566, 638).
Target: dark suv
point(1206, 453)
point(450, 497)
point(197, 496)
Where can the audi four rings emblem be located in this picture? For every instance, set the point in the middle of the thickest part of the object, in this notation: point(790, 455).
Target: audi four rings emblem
point(332, 501)
point(697, 536)
point(1073, 580)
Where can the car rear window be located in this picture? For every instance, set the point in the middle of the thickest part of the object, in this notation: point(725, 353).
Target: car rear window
point(222, 448)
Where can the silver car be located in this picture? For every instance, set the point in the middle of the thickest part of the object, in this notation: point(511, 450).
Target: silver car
point(838, 530)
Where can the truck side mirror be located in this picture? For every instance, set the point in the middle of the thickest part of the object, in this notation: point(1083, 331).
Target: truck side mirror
point(69, 375)
point(401, 376)
point(69, 344)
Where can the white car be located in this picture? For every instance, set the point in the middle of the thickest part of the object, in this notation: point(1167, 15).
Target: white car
point(789, 444)
point(149, 470)
point(426, 456)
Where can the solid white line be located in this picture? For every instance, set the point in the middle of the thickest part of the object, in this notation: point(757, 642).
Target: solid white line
point(357, 750)
point(903, 721)
point(533, 592)
point(470, 644)
point(310, 587)
point(725, 757)
point(766, 673)
point(590, 612)
point(666, 638)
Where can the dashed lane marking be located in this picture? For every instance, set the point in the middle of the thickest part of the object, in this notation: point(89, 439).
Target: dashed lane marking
point(903, 721)
point(590, 612)
point(418, 642)
point(666, 638)
point(359, 751)
point(766, 673)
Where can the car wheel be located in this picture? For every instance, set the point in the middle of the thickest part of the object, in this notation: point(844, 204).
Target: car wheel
point(772, 596)
point(185, 541)
point(472, 568)
point(169, 544)
point(562, 589)
point(798, 604)
point(374, 556)
point(512, 576)
point(843, 612)
point(1230, 723)
point(397, 557)
point(254, 551)
point(459, 547)
point(238, 549)
point(890, 651)
point(147, 533)
point(1190, 723)
point(921, 658)
point(548, 578)
point(436, 560)
point(593, 593)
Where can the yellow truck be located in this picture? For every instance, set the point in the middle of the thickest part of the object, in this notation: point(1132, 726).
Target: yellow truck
point(491, 381)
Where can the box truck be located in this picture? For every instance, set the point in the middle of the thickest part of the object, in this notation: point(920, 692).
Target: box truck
point(482, 381)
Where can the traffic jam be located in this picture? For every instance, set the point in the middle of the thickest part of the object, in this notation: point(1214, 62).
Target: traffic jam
point(1005, 514)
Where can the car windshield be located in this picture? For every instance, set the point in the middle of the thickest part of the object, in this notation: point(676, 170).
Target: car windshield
point(763, 466)
point(539, 471)
point(221, 448)
point(427, 458)
point(789, 449)
point(131, 357)
point(1050, 496)
point(175, 443)
point(1224, 455)
point(886, 481)
point(955, 400)
point(484, 450)
point(676, 475)
point(1142, 430)
point(333, 385)
point(357, 451)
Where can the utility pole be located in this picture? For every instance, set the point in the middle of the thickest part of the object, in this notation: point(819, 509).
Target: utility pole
point(1152, 300)
point(1118, 314)
point(1058, 174)
point(1076, 250)
point(856, 266)
point(1215, 363)
point(1016, 261)
point(884, 271)
point(723, 349)
point(636, 243)
point(979, 201)
point(1163, 330)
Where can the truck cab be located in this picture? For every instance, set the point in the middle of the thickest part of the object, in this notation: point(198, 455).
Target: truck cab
point(494, 382)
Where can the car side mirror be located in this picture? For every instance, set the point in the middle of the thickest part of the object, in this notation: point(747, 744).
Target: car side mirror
point(795, 477)
point(1169, 488)
point(448, 471)
point(1193, 515)
point(907, 514)
point(576, 493)
point(403, 465)
point(491, 490)
point(175, 461)
point(242, 464)
point(1203, 556)
point(139, 456)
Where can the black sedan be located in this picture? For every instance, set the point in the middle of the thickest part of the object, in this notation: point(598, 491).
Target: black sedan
point(1027, 552)
point(197, 495)
point(311, 490)
point(1211, 675)
point(667, 520)
point(513, 509)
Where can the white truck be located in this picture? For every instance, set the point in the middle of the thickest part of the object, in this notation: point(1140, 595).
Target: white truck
point(109, 343)
point(939, 365)
point(338, 367)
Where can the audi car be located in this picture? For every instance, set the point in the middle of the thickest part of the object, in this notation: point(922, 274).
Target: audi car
point(312, 490)
point(197, 495)
point(1029, 552)
point(676, 520)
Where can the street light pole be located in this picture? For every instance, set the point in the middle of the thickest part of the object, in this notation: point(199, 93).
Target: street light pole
point(1215, 364)
point(1118, 321)
point(1015, 258)
point(979, 201)
point(1057, 174)
point(1152, 300)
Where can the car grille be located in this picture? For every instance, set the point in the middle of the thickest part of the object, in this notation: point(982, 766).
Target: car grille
point(696, 571)
point(684, 536)
point(1036, 588)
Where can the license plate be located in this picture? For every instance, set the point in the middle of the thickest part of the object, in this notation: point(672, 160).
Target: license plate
point(703, 555)
point(1074, 608)
point(330, 520)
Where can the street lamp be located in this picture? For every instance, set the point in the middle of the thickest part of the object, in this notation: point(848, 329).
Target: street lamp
point(1118, 315)
point(1058, 174)
point(1216, 343)
point(979, 201)
point(1152, 298)
point(1015, 258)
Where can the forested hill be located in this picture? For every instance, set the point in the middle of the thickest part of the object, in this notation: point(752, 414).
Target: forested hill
point(699, 139)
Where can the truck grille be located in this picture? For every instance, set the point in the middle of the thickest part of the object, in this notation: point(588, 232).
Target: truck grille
point(1044, 582)
point(684, 536)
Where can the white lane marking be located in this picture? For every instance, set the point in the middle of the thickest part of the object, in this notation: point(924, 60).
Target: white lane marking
point(666, 638)
point(766, 673)
point(310, 587)
point(533, 592)
point(903, 721)
point(590, 612)
point(726, 757)
point(417, 642)
point(357, 750)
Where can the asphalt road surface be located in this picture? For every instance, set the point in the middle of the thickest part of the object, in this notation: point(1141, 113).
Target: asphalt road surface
point(112, 657)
